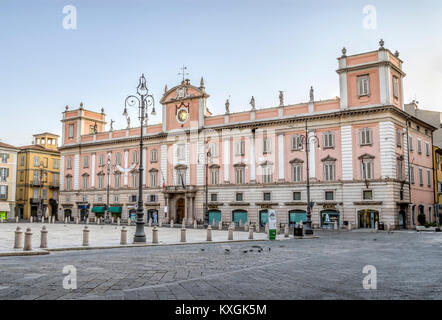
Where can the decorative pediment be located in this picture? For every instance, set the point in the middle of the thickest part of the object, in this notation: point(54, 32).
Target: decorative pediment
point(214, 166)
point(266, 163)
point(239, 165)
point(69, 175)
point(296, 161)
point(153, 170)
point(401, 158)
point(85, 174)
point(180, 167)
point(328, 158)
point(366, 156)
point(183, 91)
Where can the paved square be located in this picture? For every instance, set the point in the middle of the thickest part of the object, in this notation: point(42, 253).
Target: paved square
point(408, 267)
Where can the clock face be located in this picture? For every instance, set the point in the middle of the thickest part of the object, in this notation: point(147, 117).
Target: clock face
point(182, 115)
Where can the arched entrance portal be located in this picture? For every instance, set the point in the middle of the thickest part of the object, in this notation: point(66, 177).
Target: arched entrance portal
point(180, 203)
point(263, 217)
point(68, 214)
point(296, 216)
point(402, 223)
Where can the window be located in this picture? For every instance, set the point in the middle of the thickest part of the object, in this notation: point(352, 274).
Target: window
point(55, 163)
point(428, 177)
point(36, 161)
point(427, 149)
point(328, 139)
point(398, 137)
point(266, 196)
point(419, 146)
point(71, 131)
point(296, 142)
point(55, 179)
point(68, 183)
point(395, 87)
point(85, 181)
point(421, 178)
point(214, 149)
point(134, 156)
point(239, 196)
point(153, 178)
point(410, 142)
point(154, 155)
point(239, 175)
point(365, 136)
point(118, 159)
point(240, 148)
point(214, 197)
point(101, 160)
point(117, 180)
point(363, 85)
point(181, 152)
point(133, 198)
point(267, 174)
point(266, 145)
point(54, 194)
point(152, 198)
point(3, 192)
point(22, 160)
point(69, 163)
point(329, 171)
point(297, 172)
point(214, 176)
point(4, 173)
point(181, 177)
point(68, 199)
point(411, 174)
point(366, 169)
point(4, 157)
point(44, 194)
point(101, 181)
point(297, 196)
point(329, 195)
point(99, 199)
point(35, 178)
point(116, 199)
point(135, 179)
point(367, 195)
point(400, 170)
point(86, 162)
point(22, 176)
point(35, 194)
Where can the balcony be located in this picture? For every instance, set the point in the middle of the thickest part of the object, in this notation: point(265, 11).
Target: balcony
point(54, 185)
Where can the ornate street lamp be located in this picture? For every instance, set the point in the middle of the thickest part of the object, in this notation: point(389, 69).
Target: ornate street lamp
point(43, 176)
point(304, 142)
point(143, 101)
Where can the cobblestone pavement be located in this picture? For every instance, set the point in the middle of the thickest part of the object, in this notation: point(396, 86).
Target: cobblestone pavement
point(408, 267)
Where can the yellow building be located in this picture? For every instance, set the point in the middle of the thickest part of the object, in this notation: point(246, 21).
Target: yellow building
point(8, 170)
point(38, 176)
point(437, 157)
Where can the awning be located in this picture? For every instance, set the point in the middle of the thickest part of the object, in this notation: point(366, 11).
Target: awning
point(98, 209)
point(4, 206)
point(115, 209)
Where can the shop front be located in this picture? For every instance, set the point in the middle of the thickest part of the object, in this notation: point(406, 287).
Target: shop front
point(239, 216)
point(296, 216)
point(329, 218)
point(152, 214)
point(98, 211)
point(263, 217)
point(214, 215)
point(4, 210)
point(84, 211)
point(367, 218)
point(116, 212)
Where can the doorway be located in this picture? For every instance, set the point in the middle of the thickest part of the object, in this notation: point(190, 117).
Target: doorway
point(368, 218)
point(402, 224)
point(180, 210)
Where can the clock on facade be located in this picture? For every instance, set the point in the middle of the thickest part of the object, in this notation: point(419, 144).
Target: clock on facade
point(182, 115)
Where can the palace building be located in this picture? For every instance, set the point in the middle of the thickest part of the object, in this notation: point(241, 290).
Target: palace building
point(8, 171)
point(369, 160)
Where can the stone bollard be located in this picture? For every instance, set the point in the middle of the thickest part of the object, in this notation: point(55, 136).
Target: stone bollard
point(376, 226)
point(30, 219)
point(195, 224)
point(87, 220)
point(171, 223)
point(349, 226)
point(42, 220)
point(220, 225)
point(123, 240)
point(183, 233)
point(266, 228)
point(85, 236)
point(155, 235)
point(150, 223)
point(286, 231)
point(233, 226)
point(44, 237)
point(230, 233)
point(209, 233)
point(66, 220)
point(28, 240)
point(257, 228)
point(250, 233)
point(213, 223)
point(98, 221)
point(246, 227)
point(118, 221)
point(335, 225)
point(240, 223)
point(18, 243)
point(16, 219)
point(112, 220)
point(77, 220)
point(128, 221)
point(160, 222)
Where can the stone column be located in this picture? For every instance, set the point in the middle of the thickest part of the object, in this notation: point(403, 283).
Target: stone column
point(123, 236)
point(44, 238)
point(28, 240)
point(18, 243)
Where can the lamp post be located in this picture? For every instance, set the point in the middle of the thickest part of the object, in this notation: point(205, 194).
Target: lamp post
point(42, 173)
point(142, 101)
point(108, 165)
point(206, 211)
point(305, 142)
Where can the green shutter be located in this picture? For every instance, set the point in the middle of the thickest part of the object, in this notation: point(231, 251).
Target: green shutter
point(214, 214)
point(98, 209)
point(115, 209)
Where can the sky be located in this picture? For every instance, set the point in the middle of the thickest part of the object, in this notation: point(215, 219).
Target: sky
point(240, 47)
